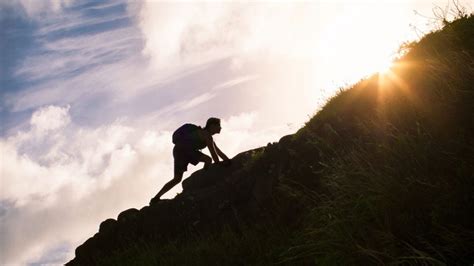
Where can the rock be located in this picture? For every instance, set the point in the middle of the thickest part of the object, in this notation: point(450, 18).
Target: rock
point(262, 189)
point(205, 178)
point(285, 141)
point(128, 215)
point(85, 252)
point(210, 199)
point(108, 226)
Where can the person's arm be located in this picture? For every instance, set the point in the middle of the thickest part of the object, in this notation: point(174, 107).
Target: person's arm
point(220, 153)
point(212, 149)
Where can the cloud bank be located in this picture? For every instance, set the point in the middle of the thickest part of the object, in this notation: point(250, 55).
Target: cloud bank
point(184, 33)
point(59, 181)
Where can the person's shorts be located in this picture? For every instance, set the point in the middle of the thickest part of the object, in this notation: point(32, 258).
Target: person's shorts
point(184, 156)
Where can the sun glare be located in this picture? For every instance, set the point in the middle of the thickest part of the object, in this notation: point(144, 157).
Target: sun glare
point(353, 45)
point(384, 67)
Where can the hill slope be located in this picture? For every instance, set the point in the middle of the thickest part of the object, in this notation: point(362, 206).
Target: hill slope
point(384, 173)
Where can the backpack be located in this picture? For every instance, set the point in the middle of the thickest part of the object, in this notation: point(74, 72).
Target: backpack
point(185, 134)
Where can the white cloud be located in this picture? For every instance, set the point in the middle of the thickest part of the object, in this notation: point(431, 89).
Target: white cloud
point(243, 121)
point(72, 63)
point(80, 158)
point(50, 118)
point(107, 170)
point(36, 9)
point(196, 101)
point(69, 54)
point(104, 171)
point(235, 82)
point(185, 33)
point(74, 21)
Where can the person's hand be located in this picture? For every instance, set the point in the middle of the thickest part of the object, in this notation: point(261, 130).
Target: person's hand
point(227, 163)
point(154, 200)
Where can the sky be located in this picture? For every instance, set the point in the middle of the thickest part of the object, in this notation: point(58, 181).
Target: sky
point(91, 92)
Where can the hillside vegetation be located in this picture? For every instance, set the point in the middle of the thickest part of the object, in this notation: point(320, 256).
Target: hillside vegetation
point(382, 174)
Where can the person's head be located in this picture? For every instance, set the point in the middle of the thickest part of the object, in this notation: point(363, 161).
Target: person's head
point(213, 125)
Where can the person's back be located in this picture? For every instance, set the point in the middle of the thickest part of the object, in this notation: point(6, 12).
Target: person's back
point(190, 136)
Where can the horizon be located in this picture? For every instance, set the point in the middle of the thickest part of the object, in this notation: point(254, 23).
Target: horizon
point(91, 93)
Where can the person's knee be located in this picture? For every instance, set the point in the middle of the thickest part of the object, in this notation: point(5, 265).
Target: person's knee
point(206, 159)
point(177, 177)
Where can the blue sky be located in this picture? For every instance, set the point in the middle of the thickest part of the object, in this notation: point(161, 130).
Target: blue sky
point(92, 90)
point(47, 52)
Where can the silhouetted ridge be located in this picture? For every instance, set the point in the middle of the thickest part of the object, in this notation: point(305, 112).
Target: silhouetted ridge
point(211, 198)
point(382, 174)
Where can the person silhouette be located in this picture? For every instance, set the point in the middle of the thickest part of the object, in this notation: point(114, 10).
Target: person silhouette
point(189, 139)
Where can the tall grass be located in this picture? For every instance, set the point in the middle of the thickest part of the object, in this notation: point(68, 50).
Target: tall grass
point(383, 174)
point(400, 189)
point(259, 245)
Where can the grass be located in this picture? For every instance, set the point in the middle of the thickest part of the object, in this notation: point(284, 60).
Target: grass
point(398, 186)
point(383, 174)
point(254, 246)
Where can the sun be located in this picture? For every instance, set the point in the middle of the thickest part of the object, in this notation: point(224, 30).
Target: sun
point(384, 67)
point(375, 60)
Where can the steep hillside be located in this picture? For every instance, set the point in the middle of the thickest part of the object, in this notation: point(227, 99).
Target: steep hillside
point(383, 173)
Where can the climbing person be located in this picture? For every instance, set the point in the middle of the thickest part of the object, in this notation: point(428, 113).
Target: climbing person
point(189, 139)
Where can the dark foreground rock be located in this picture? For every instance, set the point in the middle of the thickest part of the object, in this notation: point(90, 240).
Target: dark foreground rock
point(221, 195)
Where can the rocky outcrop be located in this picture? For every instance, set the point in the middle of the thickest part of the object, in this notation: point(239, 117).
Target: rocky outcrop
point(220, 195)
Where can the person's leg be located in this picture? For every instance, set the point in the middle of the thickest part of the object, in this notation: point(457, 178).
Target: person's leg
point(177, 178)
point(180, 167)
point(178, 175)
point(196, 157)
point(206, 160)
